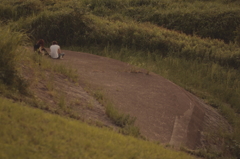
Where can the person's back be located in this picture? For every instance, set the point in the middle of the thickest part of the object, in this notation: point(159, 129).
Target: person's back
point(54, 50)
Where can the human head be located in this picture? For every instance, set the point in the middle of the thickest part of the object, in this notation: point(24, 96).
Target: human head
point(41, 42)
point(54, 43)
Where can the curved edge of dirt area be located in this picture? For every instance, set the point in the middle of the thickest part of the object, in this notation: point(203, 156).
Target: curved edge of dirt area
point(164, 111)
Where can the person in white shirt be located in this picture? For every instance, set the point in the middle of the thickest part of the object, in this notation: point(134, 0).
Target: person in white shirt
point(55, 51)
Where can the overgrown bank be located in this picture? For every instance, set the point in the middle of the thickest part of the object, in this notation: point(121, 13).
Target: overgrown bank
point(217, 19)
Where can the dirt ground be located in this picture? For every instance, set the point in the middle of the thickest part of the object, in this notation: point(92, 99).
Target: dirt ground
point(164, 112)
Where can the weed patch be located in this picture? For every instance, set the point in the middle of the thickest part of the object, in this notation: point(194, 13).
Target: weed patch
point(125, 121)
point(11, 52)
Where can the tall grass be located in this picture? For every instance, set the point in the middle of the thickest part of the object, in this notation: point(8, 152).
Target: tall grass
point(10, 53)
point(91, 30)
point(215, 19)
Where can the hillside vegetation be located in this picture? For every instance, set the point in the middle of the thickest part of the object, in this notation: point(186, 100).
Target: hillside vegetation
point(194, 43)
point(27, 132)
point(31, 133)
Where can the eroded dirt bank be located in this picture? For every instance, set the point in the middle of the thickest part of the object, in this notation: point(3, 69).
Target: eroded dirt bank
point(164, 111)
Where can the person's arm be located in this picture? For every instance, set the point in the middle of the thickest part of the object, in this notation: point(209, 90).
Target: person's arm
point(59, 50)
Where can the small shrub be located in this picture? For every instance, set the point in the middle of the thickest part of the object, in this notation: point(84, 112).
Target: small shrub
point(62, 102)
point(119, 119)
point(131, 130)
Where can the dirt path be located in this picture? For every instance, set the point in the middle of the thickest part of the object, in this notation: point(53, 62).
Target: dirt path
point(164, 111)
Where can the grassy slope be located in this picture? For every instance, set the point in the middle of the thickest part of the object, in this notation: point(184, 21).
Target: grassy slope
point(32, 133)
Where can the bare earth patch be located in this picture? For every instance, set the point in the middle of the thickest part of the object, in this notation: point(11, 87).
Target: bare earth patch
point(164, 111)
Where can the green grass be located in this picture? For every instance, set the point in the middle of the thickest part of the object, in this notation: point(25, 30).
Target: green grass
point(31, 133)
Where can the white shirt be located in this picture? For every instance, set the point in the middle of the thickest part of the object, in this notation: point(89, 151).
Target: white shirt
point(54, 50)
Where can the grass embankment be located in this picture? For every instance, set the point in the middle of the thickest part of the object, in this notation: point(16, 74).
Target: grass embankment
point(32, 133)
point(217, 19)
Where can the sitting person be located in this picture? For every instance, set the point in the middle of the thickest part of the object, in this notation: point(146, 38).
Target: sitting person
point(39, 47)
point(55, 51)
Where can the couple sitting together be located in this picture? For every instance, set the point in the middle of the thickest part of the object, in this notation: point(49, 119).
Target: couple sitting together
point(55, 51)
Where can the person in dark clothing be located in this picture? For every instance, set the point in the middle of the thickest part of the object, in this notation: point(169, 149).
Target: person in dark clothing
point(39, 47)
